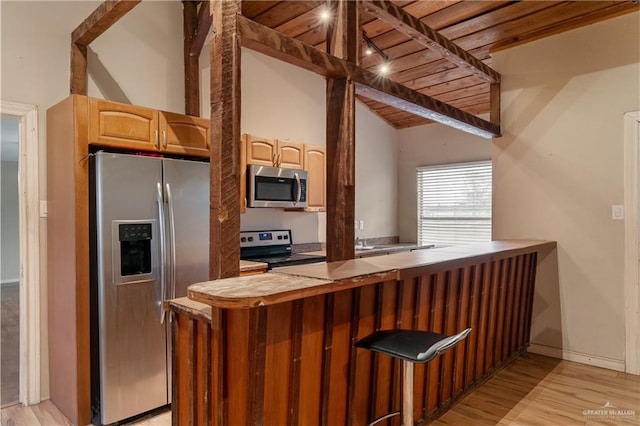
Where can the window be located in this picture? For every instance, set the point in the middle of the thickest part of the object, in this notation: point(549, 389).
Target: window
point(454, 203)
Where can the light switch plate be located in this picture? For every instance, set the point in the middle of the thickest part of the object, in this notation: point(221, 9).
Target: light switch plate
point(617, 212)
point(361, 224)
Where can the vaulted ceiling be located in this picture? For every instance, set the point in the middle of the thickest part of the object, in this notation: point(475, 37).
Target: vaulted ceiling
point(480, 27)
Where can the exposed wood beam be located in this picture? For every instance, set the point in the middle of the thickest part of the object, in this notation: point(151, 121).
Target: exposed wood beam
point(91, 28)
point(201, 29)
point(224, 230)
point(101, 19)
point(269, 42)
point(191, 68)
point(343, 42)
point(413, 27)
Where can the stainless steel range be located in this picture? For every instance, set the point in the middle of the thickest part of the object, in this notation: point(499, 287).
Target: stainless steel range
point(273, 248)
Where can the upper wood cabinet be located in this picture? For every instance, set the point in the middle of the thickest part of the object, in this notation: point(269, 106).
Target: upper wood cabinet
point(183, 134)
point(290, 155)
point(278, 153)
point(123, 126)
point(315, 163)
point(261, 151)
point(137, 128)
point(274, 153)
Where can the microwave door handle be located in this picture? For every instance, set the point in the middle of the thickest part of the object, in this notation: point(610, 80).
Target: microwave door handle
point(161, 220)
point(299, 188)
point(172, 248)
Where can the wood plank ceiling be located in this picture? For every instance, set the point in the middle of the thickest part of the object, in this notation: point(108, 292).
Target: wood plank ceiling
point(480, 27)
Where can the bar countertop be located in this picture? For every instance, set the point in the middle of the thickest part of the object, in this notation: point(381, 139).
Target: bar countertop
point(297, 282)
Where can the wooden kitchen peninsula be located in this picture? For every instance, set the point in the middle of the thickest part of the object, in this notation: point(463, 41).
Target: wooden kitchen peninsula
point(277, 348)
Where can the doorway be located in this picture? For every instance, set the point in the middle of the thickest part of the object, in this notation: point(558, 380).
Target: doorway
point(632, 240)
point(10, 259)
point(21, 250)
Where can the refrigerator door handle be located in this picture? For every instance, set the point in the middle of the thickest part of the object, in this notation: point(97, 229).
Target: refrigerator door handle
point(163, 256)
point(172, 236)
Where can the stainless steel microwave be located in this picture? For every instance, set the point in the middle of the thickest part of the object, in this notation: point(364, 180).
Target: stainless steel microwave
point(276, 187)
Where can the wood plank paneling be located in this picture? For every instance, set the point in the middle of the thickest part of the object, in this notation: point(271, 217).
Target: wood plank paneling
point(340, 354)
point(277, 372)
point(313, 316)
point(294, 362)
point(417, 30)
point(361, 382)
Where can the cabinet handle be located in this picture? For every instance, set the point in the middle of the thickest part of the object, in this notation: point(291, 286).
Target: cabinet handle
point(164, 138)
point(275, 160)
point(279, 160)
point(155, 143)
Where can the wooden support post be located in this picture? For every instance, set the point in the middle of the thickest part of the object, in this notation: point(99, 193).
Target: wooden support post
point(224, 246)
point(191, 71)
point(342, 37)
point(100, 20)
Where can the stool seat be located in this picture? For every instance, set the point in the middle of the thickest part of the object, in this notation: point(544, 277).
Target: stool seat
point(410, 345)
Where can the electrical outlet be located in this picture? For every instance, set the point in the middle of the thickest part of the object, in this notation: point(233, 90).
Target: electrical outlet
point(355, 224)
point(617, 212)
point(361, 224)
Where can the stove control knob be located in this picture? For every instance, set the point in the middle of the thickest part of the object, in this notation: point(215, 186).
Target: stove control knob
point(279, 237)
point(286, 237)
point(243, 239)
point(250, 238)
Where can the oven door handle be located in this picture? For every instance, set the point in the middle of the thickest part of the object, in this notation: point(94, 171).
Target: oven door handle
point(299, 188)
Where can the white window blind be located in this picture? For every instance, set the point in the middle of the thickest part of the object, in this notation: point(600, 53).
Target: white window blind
point(454, 203)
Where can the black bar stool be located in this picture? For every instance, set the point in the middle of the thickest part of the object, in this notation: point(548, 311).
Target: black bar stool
point(411, 346)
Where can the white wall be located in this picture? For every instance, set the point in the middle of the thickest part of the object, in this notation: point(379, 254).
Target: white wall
point(285, 102)
point(430, 145)
point(559, 168)
point(141, 53)
point(9, 241)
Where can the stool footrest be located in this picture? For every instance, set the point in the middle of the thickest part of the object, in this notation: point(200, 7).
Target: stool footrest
point(385, 417)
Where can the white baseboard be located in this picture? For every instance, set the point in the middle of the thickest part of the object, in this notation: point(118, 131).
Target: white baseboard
point(596, 361)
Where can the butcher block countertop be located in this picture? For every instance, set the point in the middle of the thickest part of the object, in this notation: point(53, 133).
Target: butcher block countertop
point(297, 282)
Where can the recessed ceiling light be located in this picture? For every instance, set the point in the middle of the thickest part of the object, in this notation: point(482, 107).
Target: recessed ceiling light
point(368, 51)
point(325, 14)
point(383, 69)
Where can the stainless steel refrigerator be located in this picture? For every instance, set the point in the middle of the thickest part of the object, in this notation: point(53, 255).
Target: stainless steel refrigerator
point(151, 240)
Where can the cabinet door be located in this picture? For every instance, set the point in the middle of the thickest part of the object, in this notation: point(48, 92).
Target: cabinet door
point(315, 162)
point(183, 134)
point(261, 151)
point(290, 155)
point(122, 126)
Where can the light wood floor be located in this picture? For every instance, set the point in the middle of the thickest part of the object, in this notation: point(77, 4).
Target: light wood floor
point(533, 390)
